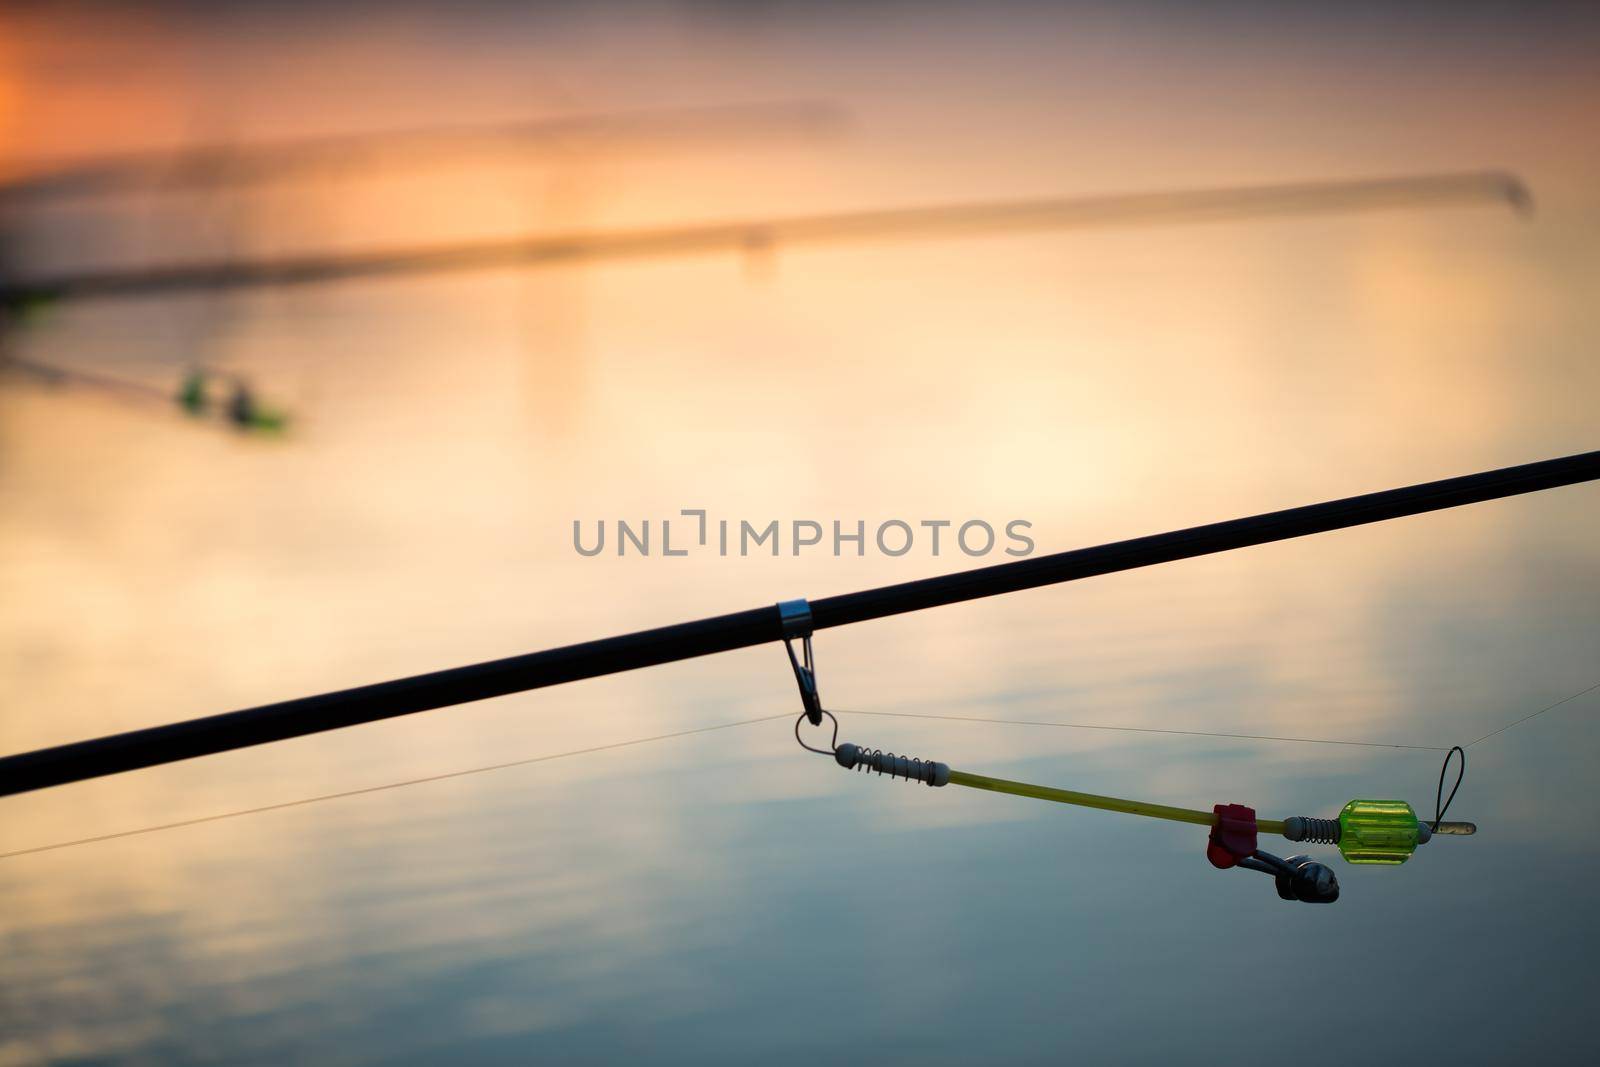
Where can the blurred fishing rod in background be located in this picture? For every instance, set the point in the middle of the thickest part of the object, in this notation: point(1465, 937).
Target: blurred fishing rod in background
point(207, 166)
point(26, 300)
point(765, 235)
point(203, 392)
point(206, 390)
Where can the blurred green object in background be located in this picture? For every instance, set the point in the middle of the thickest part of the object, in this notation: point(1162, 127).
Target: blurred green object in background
point(192, 393)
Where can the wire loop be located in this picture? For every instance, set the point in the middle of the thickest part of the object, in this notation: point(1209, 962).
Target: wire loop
point(833, 744)
point(1438, 808)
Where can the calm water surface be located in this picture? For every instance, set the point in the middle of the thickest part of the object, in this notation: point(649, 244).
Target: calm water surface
point(725, 897)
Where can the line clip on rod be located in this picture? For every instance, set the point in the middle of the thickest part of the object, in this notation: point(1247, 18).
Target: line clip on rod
point(795, 618)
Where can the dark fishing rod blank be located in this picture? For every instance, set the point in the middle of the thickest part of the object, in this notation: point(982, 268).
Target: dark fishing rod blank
point(668, 644)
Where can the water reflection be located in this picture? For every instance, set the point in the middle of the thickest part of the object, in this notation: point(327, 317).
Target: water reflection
point(726, 897)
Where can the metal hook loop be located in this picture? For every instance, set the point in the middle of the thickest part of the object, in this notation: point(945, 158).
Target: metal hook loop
point(833, 744)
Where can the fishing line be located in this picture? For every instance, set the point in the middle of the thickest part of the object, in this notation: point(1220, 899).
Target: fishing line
point(1244, 737)
point(382, 788)
point(1534, 715)
point(1145, 730)
point(1229, 736)
point(1438, 816)
point(648, 740)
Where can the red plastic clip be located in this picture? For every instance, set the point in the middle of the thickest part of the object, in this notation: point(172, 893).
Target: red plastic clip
point(1234, 835)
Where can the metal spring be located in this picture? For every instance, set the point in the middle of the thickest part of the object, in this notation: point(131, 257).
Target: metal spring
point(912, 769)
point(1305, 828)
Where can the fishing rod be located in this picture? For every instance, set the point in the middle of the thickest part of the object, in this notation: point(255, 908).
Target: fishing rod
point(203, 392)
point(788, 621)
point(203, 166)
point(997, 216)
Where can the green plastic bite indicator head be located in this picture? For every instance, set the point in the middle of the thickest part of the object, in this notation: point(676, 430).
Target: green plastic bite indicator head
point(1377, 831)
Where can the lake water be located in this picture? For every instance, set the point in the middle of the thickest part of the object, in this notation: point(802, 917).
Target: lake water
point(724, 897)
